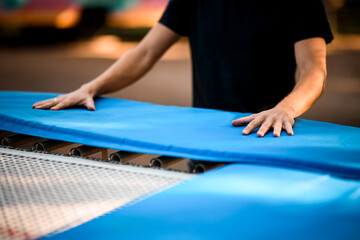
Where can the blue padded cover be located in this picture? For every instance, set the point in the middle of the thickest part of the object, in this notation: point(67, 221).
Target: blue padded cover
point(238, 202)
point(195, 133)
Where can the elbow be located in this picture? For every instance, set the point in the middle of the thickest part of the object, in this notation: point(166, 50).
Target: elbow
point(147, 55)
point(323, 76)
point(315, 76)
point(142, 56)
point(319, 73)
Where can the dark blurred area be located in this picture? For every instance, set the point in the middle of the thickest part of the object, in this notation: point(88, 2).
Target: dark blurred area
point(53, 21)
point(57, 45)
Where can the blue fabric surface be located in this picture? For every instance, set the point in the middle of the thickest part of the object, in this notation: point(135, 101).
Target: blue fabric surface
point(238, 202)
point(195, 133)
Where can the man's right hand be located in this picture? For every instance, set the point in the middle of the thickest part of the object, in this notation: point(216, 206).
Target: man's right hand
point(80, 97)
point(125, 71)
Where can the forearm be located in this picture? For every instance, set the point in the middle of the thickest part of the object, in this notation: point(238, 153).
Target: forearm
point(135, 63)
point(125, 71)
point(310, 75)
point(308, 89)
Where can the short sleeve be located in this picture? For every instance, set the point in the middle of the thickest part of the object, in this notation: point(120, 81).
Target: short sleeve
point(177, 16)
point(309, 20)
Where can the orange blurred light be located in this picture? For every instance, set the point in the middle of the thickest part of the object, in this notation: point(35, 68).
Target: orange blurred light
point(105, 44)
point(67, 18)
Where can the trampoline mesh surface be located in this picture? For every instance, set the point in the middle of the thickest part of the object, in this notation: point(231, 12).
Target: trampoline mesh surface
point(42, 193)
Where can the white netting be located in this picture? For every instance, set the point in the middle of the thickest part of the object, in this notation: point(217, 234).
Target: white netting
point(43, 193)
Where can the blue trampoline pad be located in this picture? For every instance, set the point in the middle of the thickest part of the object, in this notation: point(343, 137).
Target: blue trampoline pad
point(238, 202)
point(194, 133)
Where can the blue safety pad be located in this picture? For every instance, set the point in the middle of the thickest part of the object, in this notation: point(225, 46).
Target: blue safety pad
point(238, 202)
point(194, 133)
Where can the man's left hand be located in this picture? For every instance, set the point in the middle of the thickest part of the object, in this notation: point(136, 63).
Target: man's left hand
point(276, 118)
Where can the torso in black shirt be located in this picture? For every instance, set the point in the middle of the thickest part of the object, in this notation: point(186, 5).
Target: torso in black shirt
point(243, 50)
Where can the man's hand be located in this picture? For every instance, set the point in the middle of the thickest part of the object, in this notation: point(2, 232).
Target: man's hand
point(80, 97)
point(310, 57)
point(276, 118)
point(125, 71)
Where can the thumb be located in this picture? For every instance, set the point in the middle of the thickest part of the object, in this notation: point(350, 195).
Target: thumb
point(90, 104)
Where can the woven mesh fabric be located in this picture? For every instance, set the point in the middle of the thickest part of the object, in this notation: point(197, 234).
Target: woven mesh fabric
point(42, 193)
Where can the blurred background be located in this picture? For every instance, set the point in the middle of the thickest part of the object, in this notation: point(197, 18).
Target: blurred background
point(57, 45)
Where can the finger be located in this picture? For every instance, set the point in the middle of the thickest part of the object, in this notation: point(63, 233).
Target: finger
point(242, 121)
point(277, 128)
point(90, 104)
point(47, 104)
point(37, 104)
point(264, 128)
point(251, 126)
point(288, 128)
point(60, 105)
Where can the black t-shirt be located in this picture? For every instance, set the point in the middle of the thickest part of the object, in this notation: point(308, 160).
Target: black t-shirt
point(243, 50)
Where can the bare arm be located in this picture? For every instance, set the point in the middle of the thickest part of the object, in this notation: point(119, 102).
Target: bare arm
point(125, 71)
point(311, 74)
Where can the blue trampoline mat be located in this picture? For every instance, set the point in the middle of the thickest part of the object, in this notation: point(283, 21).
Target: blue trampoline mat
point(194, 133)
point(238, 202)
